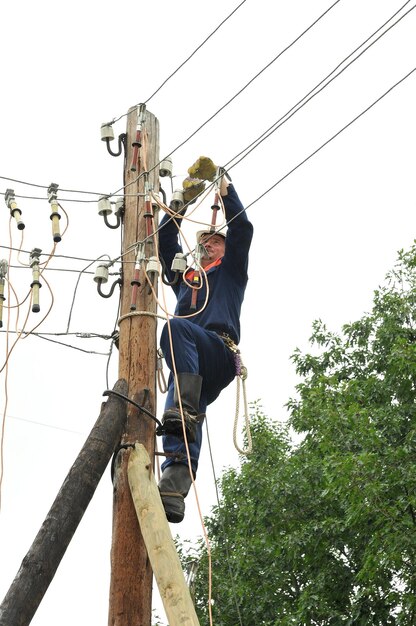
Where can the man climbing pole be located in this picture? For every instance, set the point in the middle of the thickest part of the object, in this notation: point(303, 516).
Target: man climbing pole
point(198, 342)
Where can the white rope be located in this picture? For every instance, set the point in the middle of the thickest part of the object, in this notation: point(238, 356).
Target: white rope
point(242, 375)
point(134, 313)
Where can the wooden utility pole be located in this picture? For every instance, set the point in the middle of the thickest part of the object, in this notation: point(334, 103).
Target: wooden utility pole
point(131, 573)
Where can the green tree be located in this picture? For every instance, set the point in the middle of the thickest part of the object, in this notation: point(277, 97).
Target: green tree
point(324, 532)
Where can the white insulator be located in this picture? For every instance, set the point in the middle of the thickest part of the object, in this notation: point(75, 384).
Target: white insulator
point(177, 201)
point(107, 132)
point(179, 262)
point(153, 265)
point(101, 274)
point(155, 197)
point(165, 168)
point(104, 206)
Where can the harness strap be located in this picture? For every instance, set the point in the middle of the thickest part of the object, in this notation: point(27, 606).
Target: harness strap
point(172, 494)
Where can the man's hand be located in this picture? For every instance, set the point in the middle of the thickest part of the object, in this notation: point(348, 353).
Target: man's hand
point(203, 168)
point(192, 187)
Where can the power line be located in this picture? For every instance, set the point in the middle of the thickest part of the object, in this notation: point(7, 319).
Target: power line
point(239, 92)
point(293, 110)
point(288, 173)
point(62, 343)
point(254, 78)
point(67, 345)
point(23, 182)
point(284, 118)
point(324, 144)
point(188, 58)
point(58, 256)
point(333, 137)
point(36, 423)
point(79, 334)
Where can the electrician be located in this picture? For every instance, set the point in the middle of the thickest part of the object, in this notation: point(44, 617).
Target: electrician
point(203, 336)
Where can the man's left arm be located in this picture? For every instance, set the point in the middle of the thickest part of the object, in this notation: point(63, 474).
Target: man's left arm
point(240, 230)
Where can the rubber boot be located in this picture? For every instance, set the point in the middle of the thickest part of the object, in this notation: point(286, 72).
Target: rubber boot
point(190, 386)
point(174, 487)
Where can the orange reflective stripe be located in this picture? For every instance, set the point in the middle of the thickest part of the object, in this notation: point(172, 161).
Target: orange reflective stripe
point(190, 274)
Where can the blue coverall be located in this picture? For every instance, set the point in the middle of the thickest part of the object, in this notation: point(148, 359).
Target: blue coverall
point(197, 346)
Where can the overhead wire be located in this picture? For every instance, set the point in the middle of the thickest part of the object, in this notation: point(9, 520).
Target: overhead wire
point(124, 187)
point(37, 423)
point(305, 99)
point(40, 186)
point(253, 78)
point(67, 345)
point(56, 256)
point(315, 91)
point(294, 168)
point(322, 145)
point(334, 136)
point(187, 59)
point(237, 94)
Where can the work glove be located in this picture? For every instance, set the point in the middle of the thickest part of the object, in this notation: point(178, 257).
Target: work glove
point(192, 187)
point(203, 168)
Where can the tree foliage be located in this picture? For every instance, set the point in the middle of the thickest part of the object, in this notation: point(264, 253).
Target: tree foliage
point(324, 532)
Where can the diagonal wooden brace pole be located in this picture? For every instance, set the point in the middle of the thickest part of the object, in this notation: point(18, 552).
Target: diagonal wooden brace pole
point(156, 534)
point(42, 560)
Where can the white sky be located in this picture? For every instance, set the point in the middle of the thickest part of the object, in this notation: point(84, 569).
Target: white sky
point(324, 237)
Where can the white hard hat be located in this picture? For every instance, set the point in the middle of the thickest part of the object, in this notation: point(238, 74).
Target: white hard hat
point(221, 231)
